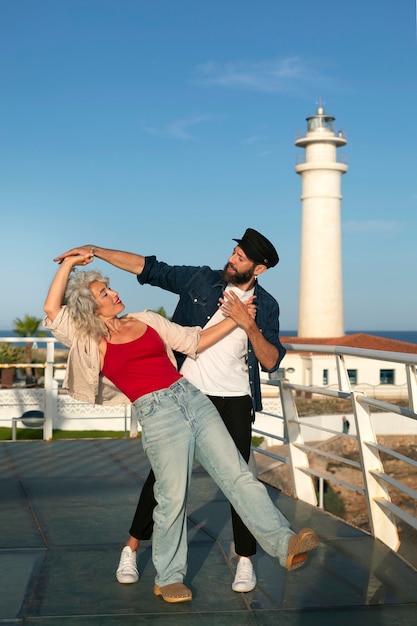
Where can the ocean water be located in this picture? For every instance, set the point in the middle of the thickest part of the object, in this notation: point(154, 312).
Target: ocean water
point(409, 336)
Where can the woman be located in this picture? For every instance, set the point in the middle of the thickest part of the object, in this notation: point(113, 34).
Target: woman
point(114, 359)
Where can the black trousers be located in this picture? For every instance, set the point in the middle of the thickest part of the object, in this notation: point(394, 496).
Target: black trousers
point(237, 416)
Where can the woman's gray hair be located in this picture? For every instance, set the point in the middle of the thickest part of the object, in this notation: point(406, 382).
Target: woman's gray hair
point(81, 304)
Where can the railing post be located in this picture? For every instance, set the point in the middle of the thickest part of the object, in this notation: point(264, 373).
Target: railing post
point(342, 374)
point(321, 493)
point(50, 403)
point(130, 414)
point(382, 522)
point(410, 371)
point(298, 459)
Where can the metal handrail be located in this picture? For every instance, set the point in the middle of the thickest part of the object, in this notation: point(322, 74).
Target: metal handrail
point(382, 513)
point(323, 157)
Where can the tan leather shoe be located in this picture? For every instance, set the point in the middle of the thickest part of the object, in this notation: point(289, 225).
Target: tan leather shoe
point(298, 546)
point(176, 592)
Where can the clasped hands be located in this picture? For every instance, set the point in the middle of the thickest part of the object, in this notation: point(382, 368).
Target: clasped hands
point(243, 313)
point(77, 256)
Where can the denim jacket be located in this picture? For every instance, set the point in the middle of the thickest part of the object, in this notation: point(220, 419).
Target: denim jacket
point(199, 289)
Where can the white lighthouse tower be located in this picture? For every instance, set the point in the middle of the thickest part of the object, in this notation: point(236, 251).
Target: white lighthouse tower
point(320, 311)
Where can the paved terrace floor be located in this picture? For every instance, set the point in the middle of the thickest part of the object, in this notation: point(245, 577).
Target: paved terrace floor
point(65, 509)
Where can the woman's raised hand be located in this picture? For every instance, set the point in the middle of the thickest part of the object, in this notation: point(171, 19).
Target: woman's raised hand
point(86, 251)
point(79, 256)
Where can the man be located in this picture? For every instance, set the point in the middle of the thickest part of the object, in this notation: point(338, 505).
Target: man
point(228, 373)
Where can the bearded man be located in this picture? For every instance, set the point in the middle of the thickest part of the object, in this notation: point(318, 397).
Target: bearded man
point(228, 372)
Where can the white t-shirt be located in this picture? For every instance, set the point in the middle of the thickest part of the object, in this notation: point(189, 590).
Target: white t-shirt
point(222, 370)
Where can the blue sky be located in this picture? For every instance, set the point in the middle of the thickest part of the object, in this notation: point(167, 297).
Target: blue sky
point(167, 127)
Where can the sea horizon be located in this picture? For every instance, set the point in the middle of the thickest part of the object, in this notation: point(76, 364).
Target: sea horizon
point(408, 336)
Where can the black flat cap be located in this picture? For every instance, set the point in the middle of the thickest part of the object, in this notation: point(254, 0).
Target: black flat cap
point(258, 248)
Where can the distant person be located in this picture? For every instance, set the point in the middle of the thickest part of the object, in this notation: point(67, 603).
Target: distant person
point(346, 425)
point(228, 373)
point(129, 357)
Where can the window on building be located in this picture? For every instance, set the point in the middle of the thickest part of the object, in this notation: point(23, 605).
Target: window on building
point(386, 377)
point(353, 376)
point(325, 377)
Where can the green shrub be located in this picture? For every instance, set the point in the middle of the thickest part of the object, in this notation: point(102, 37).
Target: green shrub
point(256, 441)
point(331, 501)
point(28, 434)
point(10, 353)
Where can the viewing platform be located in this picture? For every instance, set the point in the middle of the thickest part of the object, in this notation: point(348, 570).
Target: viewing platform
point(65, 511)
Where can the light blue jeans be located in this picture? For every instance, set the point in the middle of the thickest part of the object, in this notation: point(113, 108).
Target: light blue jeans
point(179, 424)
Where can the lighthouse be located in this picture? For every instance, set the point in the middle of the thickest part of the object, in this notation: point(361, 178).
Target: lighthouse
point(320, 312)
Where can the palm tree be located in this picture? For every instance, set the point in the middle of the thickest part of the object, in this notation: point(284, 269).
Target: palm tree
point(28, 327)
point(161, 311)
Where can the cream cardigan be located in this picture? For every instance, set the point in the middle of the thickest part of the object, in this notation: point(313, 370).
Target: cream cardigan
point(83, 379)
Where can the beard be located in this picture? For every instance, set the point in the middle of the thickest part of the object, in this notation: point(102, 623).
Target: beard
point(237, 278)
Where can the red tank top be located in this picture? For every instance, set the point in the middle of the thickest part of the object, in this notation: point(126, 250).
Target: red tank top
point(139, 366)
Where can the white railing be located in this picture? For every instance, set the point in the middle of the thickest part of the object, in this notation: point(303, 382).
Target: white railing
point(376, 482)
point(295, 432)
point(57, 408)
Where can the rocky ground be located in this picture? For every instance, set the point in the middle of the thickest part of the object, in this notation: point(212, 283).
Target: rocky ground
point(354, 505)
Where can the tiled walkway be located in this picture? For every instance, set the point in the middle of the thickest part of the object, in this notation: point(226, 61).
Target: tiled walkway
point(65, 509)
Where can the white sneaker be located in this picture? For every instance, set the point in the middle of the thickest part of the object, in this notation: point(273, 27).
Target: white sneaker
point(127, 572)
point(245, 579)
